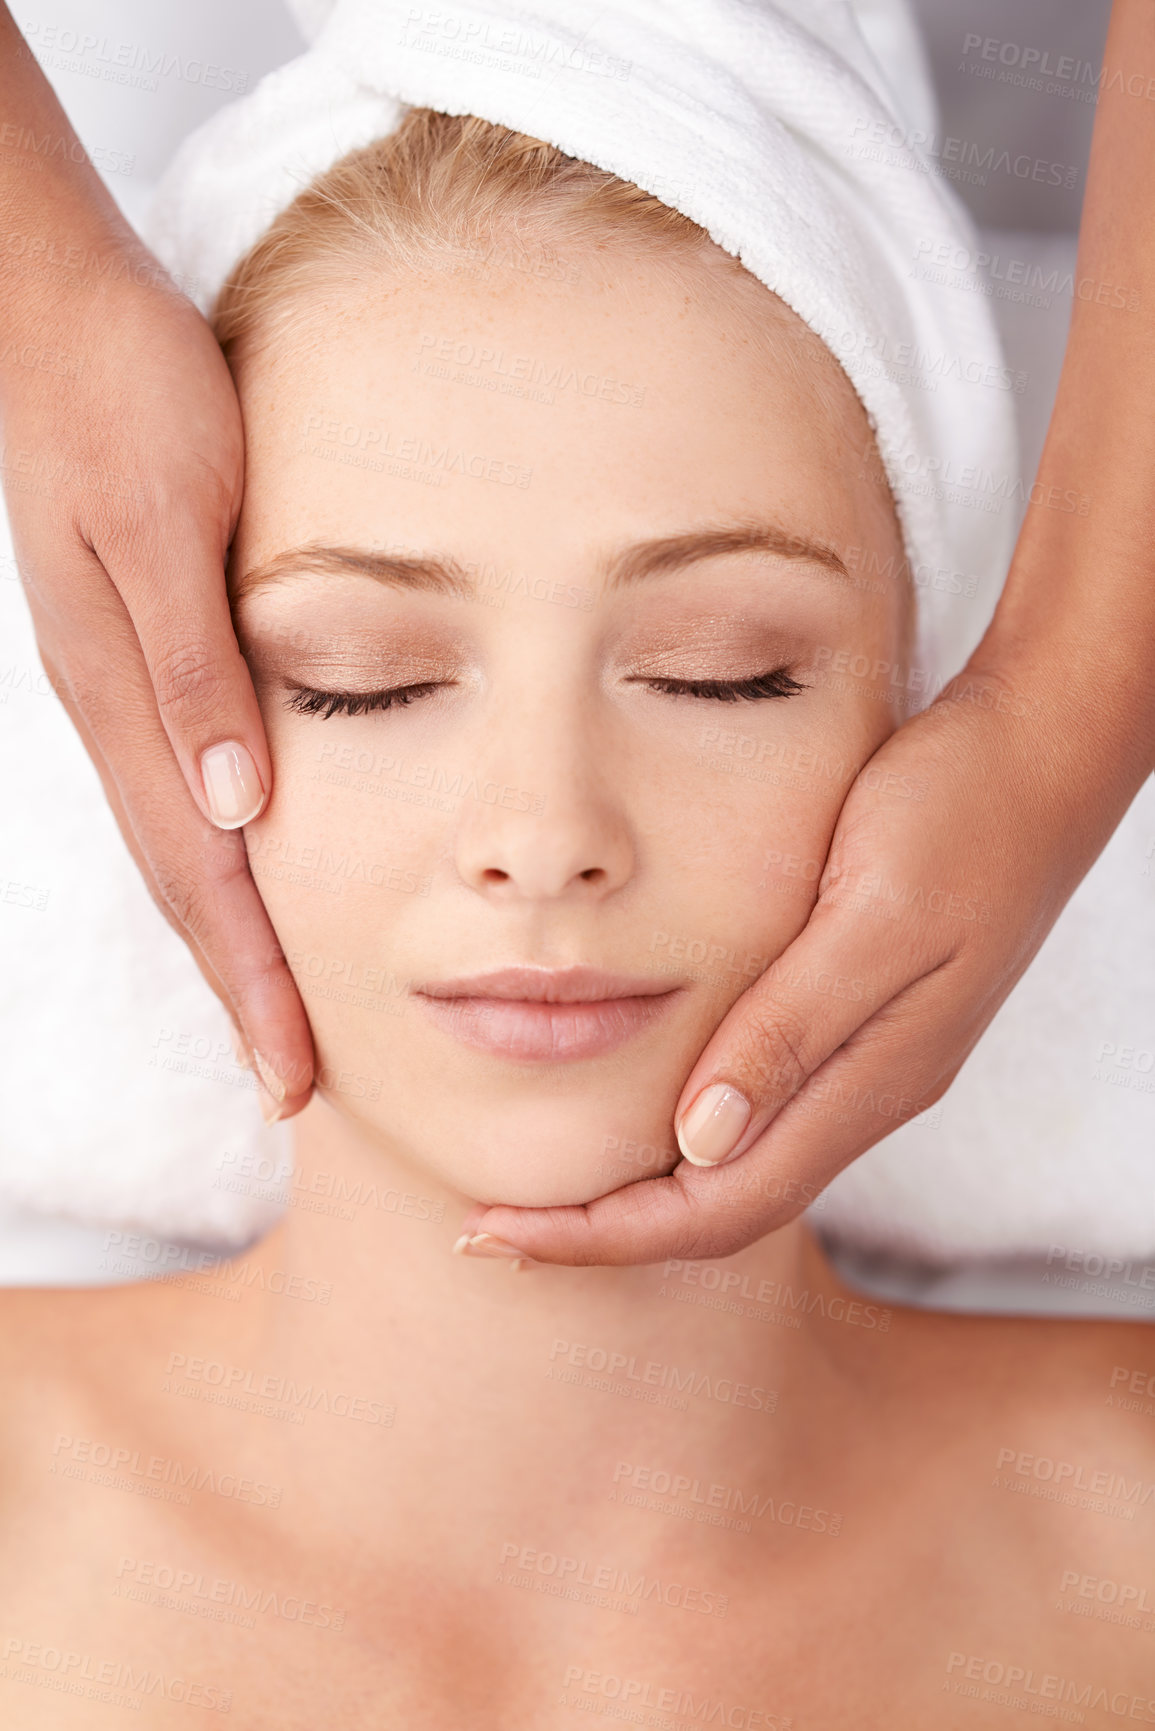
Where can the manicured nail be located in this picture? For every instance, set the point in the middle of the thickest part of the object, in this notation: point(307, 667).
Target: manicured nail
point(272, 1111)
point(231, 783)
point(485, 1244)
point(270, 1078)
point(710, 1130)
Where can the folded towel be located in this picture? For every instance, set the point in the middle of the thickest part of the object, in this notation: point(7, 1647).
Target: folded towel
point(122, 1104)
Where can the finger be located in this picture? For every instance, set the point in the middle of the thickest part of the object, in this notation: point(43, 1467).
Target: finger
point(198, 875)
point(896, 1067)
point(223, 916)
point(838, 972)
point(173, 588)
point(116, 806)
point(690, 1214)
point(204, 692)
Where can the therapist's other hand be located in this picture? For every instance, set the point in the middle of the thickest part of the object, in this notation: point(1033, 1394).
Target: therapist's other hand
point(123, 459)
point(954, 853)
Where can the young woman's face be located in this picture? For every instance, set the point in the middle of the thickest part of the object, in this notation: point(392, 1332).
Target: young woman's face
point(538, 580)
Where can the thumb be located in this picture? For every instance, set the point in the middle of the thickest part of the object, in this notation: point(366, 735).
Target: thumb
point(837, 973)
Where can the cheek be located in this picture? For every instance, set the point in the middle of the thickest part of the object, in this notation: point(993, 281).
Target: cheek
point(343, 856)
point(745, 814)
point(747, 887)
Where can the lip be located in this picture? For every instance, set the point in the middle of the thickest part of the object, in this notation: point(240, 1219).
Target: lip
point(546, 1015)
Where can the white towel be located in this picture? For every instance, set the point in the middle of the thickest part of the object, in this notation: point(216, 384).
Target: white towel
point(122, 1104)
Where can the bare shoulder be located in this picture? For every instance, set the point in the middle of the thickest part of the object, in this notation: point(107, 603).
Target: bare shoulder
point(1088, 1385)
point(1010, 1471)
point(69, 1355)
point(1071, 1471)
point(1098, 1376)
point(54, 1344)
point(56, 1331)
point(73, 1364)
point(1067, 1439)
point(1088, 1421)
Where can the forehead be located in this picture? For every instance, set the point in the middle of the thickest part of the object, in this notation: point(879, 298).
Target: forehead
point(633, 395)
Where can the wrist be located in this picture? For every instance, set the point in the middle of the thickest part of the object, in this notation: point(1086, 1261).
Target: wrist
point(1080, 697)
point(61, 225)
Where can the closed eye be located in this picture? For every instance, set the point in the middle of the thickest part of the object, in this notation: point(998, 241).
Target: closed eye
point(776, 683)
point(306, 701)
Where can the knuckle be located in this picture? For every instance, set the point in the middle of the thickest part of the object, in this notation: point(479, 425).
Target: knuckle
point(708, 1226)
point(182, 898)
point(120, 524)
point(707, 1237)
point(191, 892)
point(187, 679)
point(774, 1055)
point(703, 1243)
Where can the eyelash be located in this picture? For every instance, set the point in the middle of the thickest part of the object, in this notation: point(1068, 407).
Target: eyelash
point(326, 703)
point(777, 682)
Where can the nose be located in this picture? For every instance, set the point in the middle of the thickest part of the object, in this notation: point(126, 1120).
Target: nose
point(545, 819)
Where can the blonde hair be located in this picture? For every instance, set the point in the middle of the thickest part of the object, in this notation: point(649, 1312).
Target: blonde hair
point(439, 186)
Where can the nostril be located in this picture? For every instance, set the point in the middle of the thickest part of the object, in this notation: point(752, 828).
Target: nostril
point(493, 875)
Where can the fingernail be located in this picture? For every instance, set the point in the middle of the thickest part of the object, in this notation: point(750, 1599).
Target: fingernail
point(710, 1130)
point(231, 783)
point(485, 1244)
point(270, 1078)
point(272, 1111)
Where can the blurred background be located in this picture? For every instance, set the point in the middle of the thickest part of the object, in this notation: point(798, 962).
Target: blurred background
point(1000, 96)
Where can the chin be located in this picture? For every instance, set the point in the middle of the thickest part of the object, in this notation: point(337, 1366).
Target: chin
point(552, 1158)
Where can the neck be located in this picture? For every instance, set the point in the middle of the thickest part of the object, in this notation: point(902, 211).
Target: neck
point(484, 1371)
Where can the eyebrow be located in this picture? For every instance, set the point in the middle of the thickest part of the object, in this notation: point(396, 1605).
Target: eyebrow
point(446, 575)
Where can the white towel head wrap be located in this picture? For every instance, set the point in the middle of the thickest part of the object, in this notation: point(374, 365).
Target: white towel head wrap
point(789, 131)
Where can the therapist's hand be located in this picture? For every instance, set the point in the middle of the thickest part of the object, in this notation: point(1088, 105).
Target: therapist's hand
point(929, 910)
point(122, 467)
